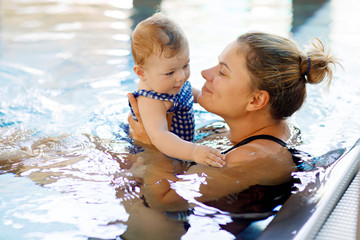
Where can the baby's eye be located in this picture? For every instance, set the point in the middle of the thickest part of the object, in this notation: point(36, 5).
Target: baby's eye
point(221, 73)
point(169, 73)
point(185, 66)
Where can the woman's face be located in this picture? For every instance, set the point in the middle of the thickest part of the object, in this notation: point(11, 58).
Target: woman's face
point(227, 90)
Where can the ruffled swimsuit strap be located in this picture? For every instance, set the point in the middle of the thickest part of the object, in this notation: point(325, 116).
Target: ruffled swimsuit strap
point(183, 120)
point(155, 95)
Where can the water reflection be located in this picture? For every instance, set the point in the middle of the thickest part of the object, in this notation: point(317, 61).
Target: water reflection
point(83, 49)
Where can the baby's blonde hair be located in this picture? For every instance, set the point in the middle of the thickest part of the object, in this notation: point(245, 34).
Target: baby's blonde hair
point(156, 35)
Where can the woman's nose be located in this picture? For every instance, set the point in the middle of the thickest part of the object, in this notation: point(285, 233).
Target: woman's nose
point(207, 74)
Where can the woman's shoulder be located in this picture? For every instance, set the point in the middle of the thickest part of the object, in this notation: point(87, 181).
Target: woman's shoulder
point(258, 148)
point(270, 162)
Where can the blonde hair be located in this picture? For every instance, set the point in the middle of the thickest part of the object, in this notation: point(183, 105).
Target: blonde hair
point(278, 66)
point(156, 35)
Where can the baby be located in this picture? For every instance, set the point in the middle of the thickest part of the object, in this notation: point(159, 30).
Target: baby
point(161, 55)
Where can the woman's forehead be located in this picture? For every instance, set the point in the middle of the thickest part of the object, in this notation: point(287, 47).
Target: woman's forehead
point(232, 54)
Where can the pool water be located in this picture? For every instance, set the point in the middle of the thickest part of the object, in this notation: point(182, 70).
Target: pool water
point(65, 70)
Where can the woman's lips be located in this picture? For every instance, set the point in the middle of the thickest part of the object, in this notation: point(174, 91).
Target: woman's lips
point(205, 89)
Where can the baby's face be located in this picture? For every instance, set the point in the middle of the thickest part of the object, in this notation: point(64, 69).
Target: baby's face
point(167, 75)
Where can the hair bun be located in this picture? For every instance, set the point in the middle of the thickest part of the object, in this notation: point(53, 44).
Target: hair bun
point(317, 68)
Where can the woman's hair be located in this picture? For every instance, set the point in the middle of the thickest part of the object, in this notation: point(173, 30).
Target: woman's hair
point(279, 67)
point(156, 35)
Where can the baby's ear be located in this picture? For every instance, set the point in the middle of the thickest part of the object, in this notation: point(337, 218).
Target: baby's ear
point(139, 71)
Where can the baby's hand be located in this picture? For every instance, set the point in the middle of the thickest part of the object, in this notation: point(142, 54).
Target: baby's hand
point(208, 156)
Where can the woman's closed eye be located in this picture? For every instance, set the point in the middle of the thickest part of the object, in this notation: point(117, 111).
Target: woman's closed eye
point(221, 71)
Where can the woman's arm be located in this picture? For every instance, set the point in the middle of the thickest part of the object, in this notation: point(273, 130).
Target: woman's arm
point(159, 175)
point(166, 192)
point(246, 168)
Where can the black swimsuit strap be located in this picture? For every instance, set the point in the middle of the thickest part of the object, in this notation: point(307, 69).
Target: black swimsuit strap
point(252, 138)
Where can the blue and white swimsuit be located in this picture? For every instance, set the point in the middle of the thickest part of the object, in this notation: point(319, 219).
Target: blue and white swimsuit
point(183, 121)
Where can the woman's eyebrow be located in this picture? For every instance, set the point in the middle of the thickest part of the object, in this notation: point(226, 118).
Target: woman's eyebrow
point(225, 65)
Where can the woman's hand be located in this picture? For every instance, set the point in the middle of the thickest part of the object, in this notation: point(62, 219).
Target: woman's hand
point(136, 128)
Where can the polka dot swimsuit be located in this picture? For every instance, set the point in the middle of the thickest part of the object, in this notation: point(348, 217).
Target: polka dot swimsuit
point(183, 122)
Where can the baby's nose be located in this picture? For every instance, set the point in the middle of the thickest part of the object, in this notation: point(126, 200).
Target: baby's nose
point(182, 76)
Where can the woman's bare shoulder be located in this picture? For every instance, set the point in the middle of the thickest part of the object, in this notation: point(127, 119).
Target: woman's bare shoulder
point(268, 162)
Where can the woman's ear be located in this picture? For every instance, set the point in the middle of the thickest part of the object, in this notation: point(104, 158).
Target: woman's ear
point(258, 101)
point(139, 71)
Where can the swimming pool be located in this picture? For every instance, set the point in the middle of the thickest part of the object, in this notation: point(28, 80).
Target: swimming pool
point(65, 69)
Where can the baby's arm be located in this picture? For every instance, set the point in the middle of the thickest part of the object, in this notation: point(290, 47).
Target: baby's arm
point(195, 93)
point(153, 115)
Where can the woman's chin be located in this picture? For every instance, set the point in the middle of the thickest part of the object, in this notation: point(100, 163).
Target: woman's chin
point(204, 101)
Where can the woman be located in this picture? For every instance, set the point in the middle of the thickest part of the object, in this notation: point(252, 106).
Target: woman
point(259, 82)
